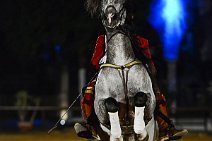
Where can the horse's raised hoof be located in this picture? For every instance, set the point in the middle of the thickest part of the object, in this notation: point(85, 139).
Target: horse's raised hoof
point(111, 105)
point(140, 99)
point(116, 139)
point(139, 137)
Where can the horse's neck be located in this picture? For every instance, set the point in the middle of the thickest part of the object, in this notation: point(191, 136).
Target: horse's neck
point(119, 50)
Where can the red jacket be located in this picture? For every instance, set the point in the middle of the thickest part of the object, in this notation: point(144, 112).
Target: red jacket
point(100, 47)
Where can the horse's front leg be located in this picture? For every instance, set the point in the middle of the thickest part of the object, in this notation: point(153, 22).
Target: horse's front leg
point(139, 124)
point(112, 109)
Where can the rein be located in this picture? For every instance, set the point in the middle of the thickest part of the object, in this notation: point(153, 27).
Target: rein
point(115, 34)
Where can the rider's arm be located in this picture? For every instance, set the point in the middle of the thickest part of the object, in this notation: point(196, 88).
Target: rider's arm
point(98, 52)
point(153, 73)
point(144, 44)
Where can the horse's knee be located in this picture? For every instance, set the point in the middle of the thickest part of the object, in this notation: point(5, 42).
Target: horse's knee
point(111, 105)
point(140, 99)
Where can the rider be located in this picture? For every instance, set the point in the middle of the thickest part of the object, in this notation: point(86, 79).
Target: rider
point(167, 130)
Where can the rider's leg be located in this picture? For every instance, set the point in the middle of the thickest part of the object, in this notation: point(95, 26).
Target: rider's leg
point(161, 107)
point(161, 115)
point(167, 129)
point(88, 100)
point(88, 111)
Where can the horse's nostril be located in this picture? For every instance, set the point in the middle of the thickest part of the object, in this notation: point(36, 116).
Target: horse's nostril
point(115, 16)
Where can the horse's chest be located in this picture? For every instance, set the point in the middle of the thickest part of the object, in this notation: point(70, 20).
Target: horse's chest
point(119, 50)
point(117, 83)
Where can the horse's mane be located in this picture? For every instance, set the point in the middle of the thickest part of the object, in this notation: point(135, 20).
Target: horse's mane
point(93, 6)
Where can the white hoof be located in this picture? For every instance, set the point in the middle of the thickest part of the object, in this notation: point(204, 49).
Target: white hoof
point(140, 137)
point(116, 139)
point(139, 124)
point(115, 125)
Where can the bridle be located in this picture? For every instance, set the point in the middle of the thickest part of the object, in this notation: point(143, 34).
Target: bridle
point(120, 15)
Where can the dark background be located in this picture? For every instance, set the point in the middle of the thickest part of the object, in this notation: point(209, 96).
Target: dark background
point(39, 38)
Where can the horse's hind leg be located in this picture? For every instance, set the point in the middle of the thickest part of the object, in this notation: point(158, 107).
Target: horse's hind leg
point(112, 109)
point(139, 124)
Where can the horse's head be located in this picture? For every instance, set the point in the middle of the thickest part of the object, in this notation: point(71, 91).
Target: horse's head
point(113, 13)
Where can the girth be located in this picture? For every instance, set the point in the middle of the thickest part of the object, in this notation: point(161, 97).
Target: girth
point(128, 65)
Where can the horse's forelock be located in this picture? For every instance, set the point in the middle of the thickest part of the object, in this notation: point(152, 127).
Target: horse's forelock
point(93, 6)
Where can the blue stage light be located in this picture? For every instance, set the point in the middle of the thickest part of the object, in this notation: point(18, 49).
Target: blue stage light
point(168, 17)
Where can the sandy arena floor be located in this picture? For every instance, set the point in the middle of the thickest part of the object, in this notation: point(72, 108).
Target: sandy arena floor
point(69, 135)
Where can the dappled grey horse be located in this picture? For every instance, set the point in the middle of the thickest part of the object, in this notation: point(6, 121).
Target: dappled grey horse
point(124, 99)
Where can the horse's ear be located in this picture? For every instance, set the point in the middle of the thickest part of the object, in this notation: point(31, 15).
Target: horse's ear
point(92, 6)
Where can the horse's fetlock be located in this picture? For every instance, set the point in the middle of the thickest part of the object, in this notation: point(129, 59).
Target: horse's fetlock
point(111, 105)
point(140, 99)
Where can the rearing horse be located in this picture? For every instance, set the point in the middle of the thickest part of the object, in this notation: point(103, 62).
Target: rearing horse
point(124, 99)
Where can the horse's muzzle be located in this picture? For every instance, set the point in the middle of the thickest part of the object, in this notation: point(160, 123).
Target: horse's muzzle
point(110, 14)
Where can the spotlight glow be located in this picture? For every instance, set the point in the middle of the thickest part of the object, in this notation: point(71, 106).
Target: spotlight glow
point(168, 18)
